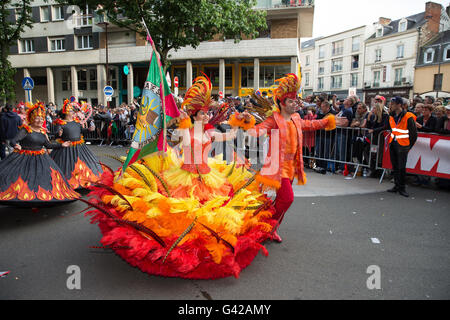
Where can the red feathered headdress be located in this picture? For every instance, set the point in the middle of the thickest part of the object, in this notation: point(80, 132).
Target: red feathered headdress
point(68, 106)
point(288, 87)
point(198, 97)
point(38, 110)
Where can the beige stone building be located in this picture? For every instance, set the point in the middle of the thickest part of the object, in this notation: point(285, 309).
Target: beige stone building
point(432, 73)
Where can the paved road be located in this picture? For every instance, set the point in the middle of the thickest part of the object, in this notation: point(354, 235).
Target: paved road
point(326, 252)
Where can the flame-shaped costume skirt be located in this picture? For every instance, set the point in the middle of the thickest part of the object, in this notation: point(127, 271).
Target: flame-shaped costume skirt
point(169, 220)
point(80, 166)
point(30, 177)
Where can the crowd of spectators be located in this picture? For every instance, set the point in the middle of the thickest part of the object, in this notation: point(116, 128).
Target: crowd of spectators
point(359, 126)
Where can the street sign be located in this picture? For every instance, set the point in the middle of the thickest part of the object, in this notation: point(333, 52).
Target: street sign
point(72, 99)
point(108, 90)
point(221, 95)
point(175, 81)
point(27, 83)
point(126, 70)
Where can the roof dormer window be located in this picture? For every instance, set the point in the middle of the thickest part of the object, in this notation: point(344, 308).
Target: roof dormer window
point(403, 25)
point(429, 55)
point(446, 56)
point(379, 32)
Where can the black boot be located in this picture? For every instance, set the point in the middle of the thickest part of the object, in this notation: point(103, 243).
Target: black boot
point(393, 190)
point(403, 193)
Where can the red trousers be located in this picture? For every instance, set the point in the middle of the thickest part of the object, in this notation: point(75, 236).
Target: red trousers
point(284, 199)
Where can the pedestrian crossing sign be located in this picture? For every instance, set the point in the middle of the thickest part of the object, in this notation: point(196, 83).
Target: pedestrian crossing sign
point(27, 83)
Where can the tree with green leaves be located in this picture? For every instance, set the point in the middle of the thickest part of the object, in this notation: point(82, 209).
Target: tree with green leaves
point(174, 24)
point(15, 16)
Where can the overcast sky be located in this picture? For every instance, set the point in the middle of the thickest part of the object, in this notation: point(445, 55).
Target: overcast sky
point(334, 16)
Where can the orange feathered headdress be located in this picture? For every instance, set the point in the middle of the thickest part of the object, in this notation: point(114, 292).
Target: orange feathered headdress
point(38, 110)
point(68, 106)
point(288, 87)
point(198, 97)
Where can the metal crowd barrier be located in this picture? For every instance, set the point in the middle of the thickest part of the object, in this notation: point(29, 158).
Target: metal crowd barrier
point(121, 135)
point(333, 150)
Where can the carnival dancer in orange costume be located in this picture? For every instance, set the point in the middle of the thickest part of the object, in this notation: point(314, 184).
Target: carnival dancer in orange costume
point(80, 166)
point(28, 176)
point(194, 217)
point(285, 128)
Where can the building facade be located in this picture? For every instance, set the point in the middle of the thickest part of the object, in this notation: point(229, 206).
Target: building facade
point(307, 62)
point(432, 73)
point(392, 52)
point(68, 51)
point(338, 63)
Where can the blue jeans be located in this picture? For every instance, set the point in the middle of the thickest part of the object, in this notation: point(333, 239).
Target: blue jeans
point(341, 148)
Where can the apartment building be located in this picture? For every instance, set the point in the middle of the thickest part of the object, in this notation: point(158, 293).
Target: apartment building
point(432, 73)
point(67, 50)
point(307, 62)
point(392, 51)
point(337, 63)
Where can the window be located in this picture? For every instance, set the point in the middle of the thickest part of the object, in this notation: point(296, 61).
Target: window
point(336, 65)
point(58, 13)
point(85, 42)
point(27, 46)
point(354, 80)
point(398, 76)
point(377, 55)
point(429, 56)
point(320, 83)
point(57, 44)
point(379, 32)
point(268, 74)
point(355, 62)
point(355, 44)
point(402, 26)
point(336, 82)
point(113, 78)
point(82, 79)
point(65, 81)
point(93, 79)
point(322, 52)
point(45, 14)
point(338, 48)
point(437, 84)
point(447, 53)
point(247, 76)
point(306, 79)
point(400, 51)
point(213, 73)
point(321, 67)
point(376, 78)
point(307, 61)
point(86, 15)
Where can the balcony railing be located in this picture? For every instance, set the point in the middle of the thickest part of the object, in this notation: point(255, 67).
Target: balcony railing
point(270, 4)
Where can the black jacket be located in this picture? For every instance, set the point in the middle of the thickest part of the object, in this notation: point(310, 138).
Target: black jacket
point(441, 124)
point(430, 126)
point(9, 125)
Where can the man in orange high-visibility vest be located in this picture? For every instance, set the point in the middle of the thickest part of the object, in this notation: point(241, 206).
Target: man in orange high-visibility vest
point(403, 137)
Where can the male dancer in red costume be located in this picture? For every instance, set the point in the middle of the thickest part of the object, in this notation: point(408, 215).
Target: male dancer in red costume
point(285, 128)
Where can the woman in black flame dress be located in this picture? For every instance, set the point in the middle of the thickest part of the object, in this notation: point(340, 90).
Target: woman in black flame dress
point(28, 176)
point(80, 166)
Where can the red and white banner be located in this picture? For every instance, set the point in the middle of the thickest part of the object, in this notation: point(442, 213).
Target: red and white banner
point(430, 156)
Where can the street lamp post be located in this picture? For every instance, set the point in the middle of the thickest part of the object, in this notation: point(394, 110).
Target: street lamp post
point(105, 23)
point(440, 57)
